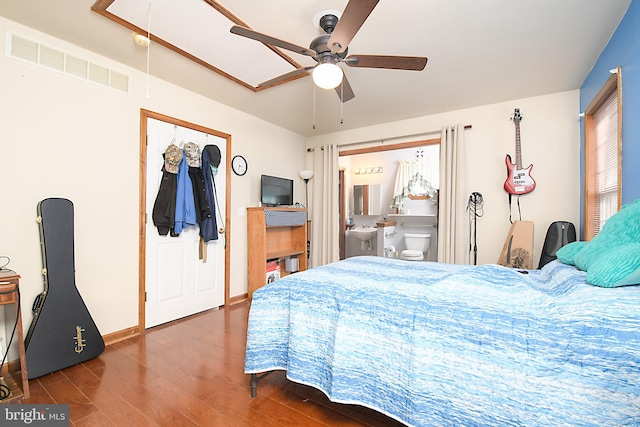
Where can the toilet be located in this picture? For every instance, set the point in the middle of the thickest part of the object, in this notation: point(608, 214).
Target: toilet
point(416, 246)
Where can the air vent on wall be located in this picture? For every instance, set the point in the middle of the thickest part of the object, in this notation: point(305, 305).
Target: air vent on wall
point(54, 59)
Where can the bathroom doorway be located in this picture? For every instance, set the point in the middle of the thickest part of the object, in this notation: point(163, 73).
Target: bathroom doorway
point(370, 154)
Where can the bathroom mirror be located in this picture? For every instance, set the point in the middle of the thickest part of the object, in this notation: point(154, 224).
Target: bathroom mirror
point(367, 199)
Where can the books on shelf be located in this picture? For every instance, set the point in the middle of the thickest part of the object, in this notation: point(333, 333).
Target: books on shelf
point(273, 270)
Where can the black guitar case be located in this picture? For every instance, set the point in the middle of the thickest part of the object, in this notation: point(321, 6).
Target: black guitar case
point(559, 234)
point(62, 332)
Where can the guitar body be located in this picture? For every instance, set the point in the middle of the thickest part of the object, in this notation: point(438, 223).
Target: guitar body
point(519, 181)
point(62, 332)
point(517, 251)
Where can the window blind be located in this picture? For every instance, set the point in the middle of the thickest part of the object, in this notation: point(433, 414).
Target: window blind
point(606, 161)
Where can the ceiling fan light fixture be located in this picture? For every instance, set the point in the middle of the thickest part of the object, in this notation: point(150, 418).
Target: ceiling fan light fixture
point(327, 75)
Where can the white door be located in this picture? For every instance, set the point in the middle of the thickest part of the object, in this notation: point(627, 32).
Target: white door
point(178, 283)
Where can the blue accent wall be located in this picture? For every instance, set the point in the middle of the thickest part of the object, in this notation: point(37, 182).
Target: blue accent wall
point(622, 50)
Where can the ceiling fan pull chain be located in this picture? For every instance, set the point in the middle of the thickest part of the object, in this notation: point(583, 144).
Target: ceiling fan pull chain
point(341, 103)
point(314, 106)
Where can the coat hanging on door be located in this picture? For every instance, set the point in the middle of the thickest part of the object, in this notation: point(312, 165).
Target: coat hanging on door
point(164, 207)
point(209, 225)
point(185, 203)
point(194, 161)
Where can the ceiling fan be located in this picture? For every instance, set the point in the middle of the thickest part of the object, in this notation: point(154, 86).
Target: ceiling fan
point(331, 48)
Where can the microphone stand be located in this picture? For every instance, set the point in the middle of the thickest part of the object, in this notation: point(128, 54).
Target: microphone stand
point(475, 200)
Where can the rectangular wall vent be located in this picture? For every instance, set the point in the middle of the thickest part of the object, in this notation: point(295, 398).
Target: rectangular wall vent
point(25, 49)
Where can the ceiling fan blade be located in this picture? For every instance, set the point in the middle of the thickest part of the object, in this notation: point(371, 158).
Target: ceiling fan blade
point(415, 63)
point(344, 91)
point(353, 16)
point(251, 34)
point(286, 76)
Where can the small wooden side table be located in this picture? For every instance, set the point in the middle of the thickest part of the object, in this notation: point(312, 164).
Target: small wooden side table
point(15, 376)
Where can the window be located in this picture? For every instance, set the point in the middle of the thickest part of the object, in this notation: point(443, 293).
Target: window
point(603, 156)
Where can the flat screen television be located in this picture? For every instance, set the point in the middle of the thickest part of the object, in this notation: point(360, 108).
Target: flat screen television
point(275, 191)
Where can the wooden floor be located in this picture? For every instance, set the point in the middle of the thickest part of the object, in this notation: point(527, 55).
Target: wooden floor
point(189, 373)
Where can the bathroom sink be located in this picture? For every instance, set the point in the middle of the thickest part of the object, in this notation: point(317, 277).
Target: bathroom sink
point(363, 233)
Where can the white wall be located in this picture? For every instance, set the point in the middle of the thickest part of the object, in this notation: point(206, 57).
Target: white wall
point(64, 137)
point(550, 135)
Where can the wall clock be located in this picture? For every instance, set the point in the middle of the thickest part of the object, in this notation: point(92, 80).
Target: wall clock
point(239, 165)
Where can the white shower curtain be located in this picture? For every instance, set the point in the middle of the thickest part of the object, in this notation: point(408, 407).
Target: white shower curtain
point(325, 217)
point(453, 195)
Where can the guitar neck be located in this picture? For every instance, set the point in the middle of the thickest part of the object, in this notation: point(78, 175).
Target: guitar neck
point(518, 153)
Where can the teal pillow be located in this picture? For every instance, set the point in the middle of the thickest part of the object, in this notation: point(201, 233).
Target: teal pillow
point(612, 258)
point(567, 253)
point(619, 267)
point(623, 227)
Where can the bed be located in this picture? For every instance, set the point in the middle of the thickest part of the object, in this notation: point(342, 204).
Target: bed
point(454, 345)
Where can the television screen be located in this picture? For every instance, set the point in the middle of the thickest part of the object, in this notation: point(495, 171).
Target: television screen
point(276, 191)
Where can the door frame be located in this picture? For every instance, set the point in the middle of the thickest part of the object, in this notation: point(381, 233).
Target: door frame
point(144, 216)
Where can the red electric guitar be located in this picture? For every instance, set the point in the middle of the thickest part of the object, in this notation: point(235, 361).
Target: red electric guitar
point(519, 181)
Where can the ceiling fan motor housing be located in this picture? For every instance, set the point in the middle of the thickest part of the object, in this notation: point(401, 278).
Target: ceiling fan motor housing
point(319, 45)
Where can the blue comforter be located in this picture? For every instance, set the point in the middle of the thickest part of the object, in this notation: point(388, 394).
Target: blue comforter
point(433, 344)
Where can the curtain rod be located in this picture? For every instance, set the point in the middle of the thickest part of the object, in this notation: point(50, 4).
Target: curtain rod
point(383, 140)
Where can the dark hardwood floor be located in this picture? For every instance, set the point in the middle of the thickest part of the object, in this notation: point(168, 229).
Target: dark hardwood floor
point(189, 373)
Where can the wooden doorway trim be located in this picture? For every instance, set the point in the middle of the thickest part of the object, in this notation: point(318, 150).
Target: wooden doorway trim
point(145, 216)
point(389, 147)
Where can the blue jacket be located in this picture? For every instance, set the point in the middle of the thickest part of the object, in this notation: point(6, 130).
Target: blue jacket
point(185, 206)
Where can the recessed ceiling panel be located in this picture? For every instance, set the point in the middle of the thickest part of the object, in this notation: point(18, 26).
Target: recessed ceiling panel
point(200, 31)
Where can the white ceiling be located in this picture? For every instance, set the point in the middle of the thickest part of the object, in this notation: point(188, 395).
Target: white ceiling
point(480, 52)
